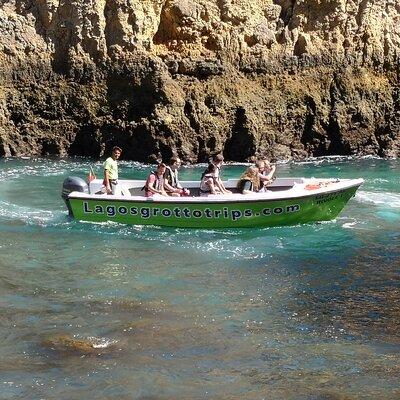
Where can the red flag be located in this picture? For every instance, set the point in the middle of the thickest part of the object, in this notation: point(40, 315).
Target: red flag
point(91, 175)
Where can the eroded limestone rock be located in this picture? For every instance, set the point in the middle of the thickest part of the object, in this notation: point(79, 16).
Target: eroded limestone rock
point(288, 78)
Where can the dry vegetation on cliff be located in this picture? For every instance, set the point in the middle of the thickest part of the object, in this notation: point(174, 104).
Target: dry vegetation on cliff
point(288, 78)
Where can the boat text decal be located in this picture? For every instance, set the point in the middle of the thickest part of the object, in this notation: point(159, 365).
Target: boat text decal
point(326, 197)
point(185, 212)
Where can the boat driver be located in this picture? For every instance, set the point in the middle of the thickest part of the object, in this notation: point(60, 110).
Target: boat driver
point(111, 171)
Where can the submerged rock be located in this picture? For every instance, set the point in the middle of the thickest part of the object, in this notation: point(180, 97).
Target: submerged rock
point(71, 344)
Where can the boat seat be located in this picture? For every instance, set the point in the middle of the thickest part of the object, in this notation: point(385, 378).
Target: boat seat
point(125, 192)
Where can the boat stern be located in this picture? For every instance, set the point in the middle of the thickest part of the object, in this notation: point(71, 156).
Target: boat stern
point(72, 184)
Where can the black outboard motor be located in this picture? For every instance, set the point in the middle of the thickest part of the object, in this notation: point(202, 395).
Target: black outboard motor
point(73, 184)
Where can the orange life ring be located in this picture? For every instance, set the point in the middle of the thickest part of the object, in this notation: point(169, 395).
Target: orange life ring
point(311, 186)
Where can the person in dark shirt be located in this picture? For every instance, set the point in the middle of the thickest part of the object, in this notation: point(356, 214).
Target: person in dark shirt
point(171, 180)
point(208, 181)
point(249, 182)
point(218, 161)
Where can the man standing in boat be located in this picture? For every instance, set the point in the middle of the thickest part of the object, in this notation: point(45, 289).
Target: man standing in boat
point(111, 170)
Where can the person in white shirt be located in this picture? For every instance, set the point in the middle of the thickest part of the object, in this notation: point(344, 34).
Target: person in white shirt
point(265, 174)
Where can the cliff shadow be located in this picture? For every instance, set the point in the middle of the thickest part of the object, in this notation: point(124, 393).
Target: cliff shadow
point(241, 145)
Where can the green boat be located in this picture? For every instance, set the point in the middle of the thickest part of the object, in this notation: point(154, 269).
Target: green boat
point(288, 201)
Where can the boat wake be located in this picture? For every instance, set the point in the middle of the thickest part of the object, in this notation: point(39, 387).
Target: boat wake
point(386, 199)
point(29, 215)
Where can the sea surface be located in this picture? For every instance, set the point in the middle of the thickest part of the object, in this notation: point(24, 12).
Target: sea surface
point(107, 311)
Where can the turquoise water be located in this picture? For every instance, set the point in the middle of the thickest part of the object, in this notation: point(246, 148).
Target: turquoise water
point(107, 311)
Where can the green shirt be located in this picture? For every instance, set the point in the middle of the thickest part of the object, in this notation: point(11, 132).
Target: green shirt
point(112, 167)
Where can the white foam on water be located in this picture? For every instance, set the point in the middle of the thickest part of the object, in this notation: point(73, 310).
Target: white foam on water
point(97, 342)
point(44, 167)
point(324, 160)
point(379, 180)
point(350, 225)
point(101, 343)
point(387, 199)
point(28, 215)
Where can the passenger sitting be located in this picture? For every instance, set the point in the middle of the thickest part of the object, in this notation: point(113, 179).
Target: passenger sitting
point(249, 182)
point(218, 161)
point(171, 181)
point(208, 181)
point(266, 173)
point(155, 182)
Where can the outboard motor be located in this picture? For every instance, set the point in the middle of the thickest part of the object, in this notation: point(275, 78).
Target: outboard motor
point(73, 184)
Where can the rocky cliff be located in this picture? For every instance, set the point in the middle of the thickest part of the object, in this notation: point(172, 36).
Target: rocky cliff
point(286, 78)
